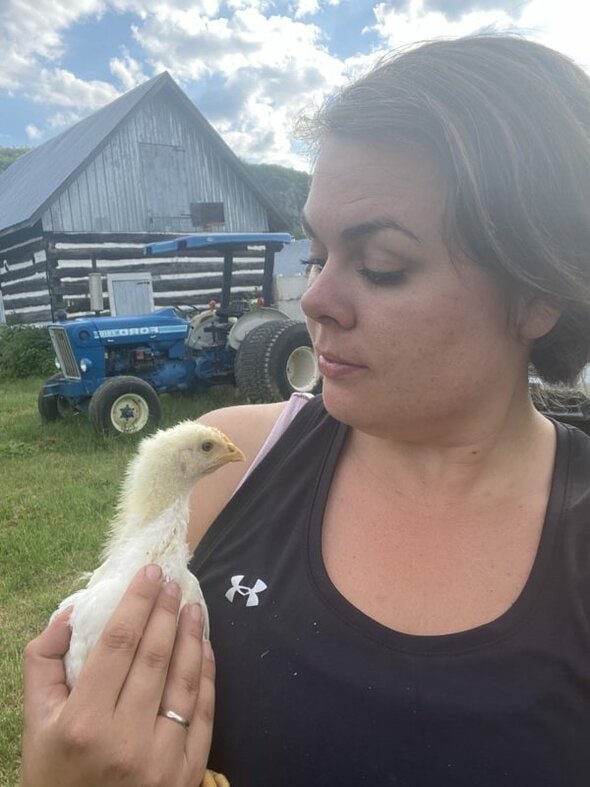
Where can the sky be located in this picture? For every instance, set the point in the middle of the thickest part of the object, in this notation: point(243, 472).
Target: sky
point(250, 66)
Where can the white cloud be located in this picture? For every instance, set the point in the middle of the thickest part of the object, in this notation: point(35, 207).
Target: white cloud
point(59, 121)
point(412, 24)
point(59, 87)
point(33, 133)
point(266, 69)
point(306, 7)
point(562, 25)
point(127, 70)
point(265, 66)
point(31, 31)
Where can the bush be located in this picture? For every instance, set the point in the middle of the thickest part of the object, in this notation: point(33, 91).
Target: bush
point(25, 351)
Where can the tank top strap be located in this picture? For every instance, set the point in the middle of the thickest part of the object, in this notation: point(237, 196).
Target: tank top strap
point(296, 402)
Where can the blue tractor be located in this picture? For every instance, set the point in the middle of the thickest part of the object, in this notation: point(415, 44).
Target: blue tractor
point(114, 368)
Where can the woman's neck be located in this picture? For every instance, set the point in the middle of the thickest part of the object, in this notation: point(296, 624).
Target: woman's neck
point(486, 458)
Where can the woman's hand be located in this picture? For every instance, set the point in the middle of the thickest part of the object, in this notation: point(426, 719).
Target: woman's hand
point(107, 731)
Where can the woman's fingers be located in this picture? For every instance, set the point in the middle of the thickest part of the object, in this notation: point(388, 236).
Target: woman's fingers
point(201, 730)
point(190, 693)
point(107, 729)
point(44, 675)
point(142, 692)
point(105, 672)
point(183, 684)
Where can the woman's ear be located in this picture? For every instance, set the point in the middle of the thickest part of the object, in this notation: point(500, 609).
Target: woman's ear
point(536, 318)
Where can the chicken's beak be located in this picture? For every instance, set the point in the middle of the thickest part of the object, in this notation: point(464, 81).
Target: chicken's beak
point(233, 453)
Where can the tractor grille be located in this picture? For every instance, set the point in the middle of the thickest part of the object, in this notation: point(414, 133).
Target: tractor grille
point(65, 356)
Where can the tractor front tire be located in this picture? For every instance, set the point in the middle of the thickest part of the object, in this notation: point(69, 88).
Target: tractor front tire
point(124, 405)
point(48, 404)
point(276, 359)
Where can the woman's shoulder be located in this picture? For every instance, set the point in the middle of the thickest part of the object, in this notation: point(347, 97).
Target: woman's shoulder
point(248, 422)
point(248, 426)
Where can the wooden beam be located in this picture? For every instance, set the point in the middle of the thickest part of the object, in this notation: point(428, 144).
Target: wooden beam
point(171, 268)
point(26, 318)
point(80, 286)
point(111, 237)
point(21, 303)
point(121, 252)
point(30, 286)
point(15, 275)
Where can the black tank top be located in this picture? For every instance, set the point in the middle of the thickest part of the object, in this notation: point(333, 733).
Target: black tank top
point(312, 692)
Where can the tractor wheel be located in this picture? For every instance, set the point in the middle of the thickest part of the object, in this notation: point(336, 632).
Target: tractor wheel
point(276, 359)
point(124, 405)
point(51, 406)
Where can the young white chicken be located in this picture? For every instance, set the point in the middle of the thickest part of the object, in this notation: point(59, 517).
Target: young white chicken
point(150, 527)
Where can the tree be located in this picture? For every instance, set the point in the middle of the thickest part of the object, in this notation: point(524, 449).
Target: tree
point(8, 155)
point(286, 187)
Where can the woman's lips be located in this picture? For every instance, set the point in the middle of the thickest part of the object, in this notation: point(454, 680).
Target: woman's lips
point(334, 368)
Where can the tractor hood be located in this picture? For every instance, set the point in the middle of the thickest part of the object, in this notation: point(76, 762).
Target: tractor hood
point(162, 324)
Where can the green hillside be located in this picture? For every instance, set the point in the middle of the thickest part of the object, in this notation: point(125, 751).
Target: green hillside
point(8, 155)
point(287, 189)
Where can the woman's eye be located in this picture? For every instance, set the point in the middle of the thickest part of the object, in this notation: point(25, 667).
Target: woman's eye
point(313, 266)
point(383, 277)
point(311, 261)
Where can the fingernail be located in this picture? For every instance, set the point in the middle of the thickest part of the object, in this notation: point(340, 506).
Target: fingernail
point(153, 573)
point(208, 650)
point(172, 589)
point(196, 612)
point(65, 614)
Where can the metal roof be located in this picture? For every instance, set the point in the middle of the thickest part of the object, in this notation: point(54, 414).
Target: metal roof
point(34, 180)
point(30, 183)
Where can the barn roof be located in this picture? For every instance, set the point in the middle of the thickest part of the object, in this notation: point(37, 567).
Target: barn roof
point(34, 180)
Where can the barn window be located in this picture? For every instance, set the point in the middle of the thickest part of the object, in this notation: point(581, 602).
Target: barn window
point(208, 215)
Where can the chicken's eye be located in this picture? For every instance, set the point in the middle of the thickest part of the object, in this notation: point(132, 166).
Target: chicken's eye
point(207, 446)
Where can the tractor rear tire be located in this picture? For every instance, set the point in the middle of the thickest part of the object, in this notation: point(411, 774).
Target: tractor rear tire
point(48, 404)
point(276, 359)
point(124, 405)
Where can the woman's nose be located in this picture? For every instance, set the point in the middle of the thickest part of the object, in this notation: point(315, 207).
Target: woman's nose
point(326, 299)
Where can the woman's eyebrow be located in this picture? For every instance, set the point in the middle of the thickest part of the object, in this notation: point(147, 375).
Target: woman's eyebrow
point(364, 228)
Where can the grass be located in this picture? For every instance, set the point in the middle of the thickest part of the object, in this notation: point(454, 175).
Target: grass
point(58, 487)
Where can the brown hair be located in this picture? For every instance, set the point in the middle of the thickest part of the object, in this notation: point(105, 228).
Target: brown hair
point(509, 122)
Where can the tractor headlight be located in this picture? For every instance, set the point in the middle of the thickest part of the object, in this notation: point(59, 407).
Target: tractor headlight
point(57, 363)
point(85, 364)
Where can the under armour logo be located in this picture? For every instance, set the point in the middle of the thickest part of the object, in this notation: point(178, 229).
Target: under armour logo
point(252, 593)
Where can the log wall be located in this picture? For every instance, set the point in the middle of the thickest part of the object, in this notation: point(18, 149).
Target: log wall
point(52, 274)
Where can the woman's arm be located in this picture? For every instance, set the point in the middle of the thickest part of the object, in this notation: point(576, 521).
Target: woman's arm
point(247, 426)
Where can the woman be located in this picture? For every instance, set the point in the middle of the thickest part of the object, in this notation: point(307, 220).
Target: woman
point(400, 587)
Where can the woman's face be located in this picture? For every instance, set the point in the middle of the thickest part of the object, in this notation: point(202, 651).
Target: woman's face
point(409, 340)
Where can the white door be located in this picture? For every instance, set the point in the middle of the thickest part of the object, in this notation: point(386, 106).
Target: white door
point(130, 293)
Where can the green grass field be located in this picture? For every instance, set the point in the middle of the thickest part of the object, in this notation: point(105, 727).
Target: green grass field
point(58, 487)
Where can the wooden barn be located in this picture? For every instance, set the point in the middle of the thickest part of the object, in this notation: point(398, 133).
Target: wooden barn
point(76, 211)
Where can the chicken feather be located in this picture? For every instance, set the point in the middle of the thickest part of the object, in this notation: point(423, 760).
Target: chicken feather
point(150, 526)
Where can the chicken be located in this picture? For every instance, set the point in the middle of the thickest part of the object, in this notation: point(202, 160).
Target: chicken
point(150, 527)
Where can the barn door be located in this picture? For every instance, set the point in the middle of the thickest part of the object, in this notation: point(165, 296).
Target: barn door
point(165, 187)
point(130, 293)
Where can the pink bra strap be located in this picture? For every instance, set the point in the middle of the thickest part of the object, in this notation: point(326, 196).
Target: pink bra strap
point(288, 413)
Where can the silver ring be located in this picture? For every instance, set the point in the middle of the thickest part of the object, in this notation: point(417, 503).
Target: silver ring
point(169, 714)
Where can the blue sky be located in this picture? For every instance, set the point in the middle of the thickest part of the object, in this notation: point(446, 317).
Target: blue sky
point(249, 65)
